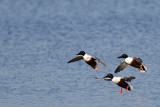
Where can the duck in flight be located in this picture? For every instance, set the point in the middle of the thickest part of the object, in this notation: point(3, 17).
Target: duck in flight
point(120, 81)
point(133, 61)
point(90, 60)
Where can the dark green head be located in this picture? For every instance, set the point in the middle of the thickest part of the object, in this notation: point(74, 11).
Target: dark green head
point(108, 77)
point(81, 53)
point(123, 56)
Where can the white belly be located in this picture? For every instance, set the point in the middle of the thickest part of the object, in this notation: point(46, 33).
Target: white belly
point(129, 60)
point(87, 57)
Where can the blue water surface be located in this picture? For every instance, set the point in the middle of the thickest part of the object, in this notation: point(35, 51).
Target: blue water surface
point(38, 37)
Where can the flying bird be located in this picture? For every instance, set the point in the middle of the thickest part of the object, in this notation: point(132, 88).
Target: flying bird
point(90, 60)
point(120, 81)
point(132, 61)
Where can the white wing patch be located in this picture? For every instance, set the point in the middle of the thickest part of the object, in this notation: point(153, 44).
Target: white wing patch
point(129, 60)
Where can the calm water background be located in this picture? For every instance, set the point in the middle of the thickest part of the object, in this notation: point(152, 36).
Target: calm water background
point(38, 37)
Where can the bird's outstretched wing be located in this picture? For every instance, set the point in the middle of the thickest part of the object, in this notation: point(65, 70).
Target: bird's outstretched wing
point(128, 79)
point(77, 58)
point(138, 59)
point(98, 78)
point(122, 66)
point(100, 61)
point(104, 78)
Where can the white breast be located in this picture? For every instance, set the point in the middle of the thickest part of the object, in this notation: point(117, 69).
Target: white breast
point(116, 79)
point(87, 57)
point(129, 60)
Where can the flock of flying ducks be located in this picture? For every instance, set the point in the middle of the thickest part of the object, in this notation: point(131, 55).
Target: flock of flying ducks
point(120, 81)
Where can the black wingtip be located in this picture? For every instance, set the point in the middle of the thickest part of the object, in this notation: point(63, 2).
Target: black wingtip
point(68, 61)
point(133, 77)
point(96, 78)
point(116, 71)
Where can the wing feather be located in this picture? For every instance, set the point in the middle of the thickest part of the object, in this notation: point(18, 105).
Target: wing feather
point(138, 59)
point(122, 66)
point(99, 78)
point(100, 61)
point(128, 79)
point(77, 58)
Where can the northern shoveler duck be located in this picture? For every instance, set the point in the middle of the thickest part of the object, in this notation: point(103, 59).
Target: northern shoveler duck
point(120, 81)
point(133, 61)
point(90, 60)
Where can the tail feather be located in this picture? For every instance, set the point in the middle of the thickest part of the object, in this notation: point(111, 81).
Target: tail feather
point(144, 69)
point(130, 87)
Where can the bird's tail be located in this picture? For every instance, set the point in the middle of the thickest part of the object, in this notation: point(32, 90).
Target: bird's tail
point(130, 87)
point(143, 68)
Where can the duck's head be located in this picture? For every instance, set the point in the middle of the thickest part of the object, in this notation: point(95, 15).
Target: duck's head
point(81, 53)
point(123, 56)
point(108, 77)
